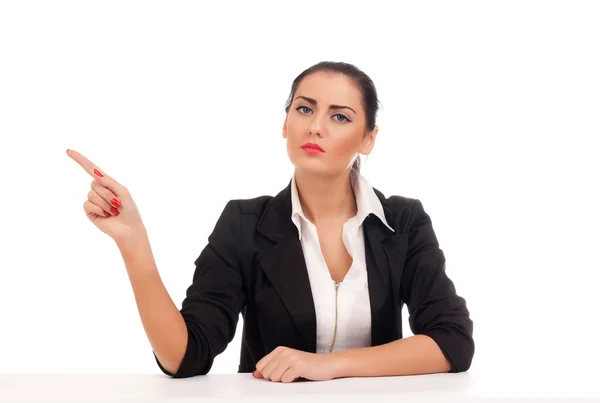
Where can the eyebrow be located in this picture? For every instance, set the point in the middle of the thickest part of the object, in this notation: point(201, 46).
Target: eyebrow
point(314, 102)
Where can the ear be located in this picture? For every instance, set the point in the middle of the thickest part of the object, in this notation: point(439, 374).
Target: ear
point(284, 130)
point(369, 141)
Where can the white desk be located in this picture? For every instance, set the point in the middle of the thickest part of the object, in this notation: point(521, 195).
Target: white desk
point(464, 387)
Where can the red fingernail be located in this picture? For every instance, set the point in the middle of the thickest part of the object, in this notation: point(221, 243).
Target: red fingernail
point(98, 172)
point(114, 211)
point(115, 203)
point(106, 214)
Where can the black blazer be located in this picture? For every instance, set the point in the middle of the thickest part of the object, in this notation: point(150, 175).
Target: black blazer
point(254, 264)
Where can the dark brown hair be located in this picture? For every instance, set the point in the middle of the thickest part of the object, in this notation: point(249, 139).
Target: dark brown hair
point(364, 84)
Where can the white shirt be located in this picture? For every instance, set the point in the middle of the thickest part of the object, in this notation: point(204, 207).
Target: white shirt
point(353, 304)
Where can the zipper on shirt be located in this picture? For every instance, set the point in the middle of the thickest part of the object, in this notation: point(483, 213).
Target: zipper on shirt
point(337, 286)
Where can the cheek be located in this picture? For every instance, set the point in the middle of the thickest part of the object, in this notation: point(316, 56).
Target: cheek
point(346, 143)
point(295, 129)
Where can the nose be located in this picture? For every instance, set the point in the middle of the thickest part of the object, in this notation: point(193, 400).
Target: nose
point(316, 127)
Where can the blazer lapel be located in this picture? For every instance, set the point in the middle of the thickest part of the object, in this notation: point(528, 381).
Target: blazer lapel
point(385, 254)
point(284, 264)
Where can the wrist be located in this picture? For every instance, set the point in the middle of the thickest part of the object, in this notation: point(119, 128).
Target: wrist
point(132, 240)
point(339, 363)
point(135, 249)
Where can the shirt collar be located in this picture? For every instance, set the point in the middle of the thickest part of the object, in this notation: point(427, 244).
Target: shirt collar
point(366, 201)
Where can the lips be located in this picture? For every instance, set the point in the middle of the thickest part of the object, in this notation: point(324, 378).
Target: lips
point(313, 146)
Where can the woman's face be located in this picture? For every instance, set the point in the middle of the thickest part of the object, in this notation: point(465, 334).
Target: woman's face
point(327, 110)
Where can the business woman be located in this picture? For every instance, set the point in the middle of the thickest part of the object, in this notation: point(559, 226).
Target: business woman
point(320, 271)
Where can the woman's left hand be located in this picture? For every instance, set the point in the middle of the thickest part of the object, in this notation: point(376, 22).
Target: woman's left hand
point(286, 365)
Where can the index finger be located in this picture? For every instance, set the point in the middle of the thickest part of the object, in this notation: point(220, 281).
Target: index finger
point(95, 172)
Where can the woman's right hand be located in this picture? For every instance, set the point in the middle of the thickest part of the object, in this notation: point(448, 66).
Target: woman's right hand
point(109, 206)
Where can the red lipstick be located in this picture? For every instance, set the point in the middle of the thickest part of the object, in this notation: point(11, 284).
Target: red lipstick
point(313, 148)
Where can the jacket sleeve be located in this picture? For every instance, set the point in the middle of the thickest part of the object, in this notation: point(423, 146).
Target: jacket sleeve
point(215, 298)
point(434, 307)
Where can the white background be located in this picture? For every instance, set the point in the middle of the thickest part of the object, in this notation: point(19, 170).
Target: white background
point(491, 116)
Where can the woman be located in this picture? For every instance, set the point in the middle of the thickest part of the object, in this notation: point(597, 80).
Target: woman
point(320, 271)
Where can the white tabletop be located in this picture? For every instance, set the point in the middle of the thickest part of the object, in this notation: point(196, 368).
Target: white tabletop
point(463, 387)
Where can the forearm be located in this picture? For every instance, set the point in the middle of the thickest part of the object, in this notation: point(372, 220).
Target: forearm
point(413, 355)
point(162, 321)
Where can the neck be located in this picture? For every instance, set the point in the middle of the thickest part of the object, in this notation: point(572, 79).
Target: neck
point(324, 198)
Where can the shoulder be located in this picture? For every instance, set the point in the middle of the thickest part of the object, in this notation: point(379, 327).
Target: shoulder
point(243, 214)
point(396, 202)
point(235, 221)
point(254, 206)
point(401, 210)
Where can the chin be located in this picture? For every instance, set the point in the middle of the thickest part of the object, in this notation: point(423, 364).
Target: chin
point(316, 169)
